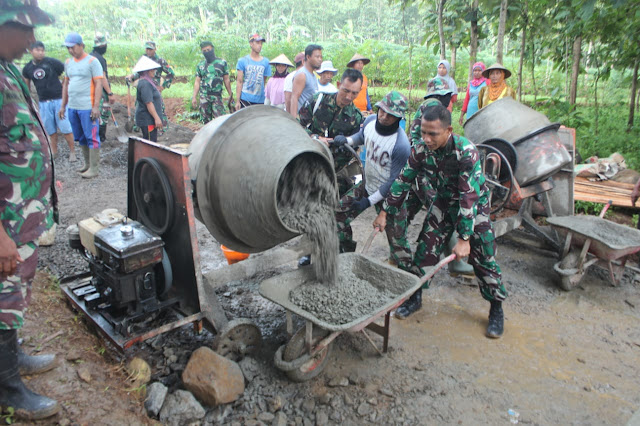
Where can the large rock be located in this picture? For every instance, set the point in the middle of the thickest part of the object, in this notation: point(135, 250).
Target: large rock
point(156, 394)
point(213, 379)
point(181, 408)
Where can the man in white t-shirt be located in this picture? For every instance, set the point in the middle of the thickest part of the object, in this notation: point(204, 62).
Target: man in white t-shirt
point(288, 81)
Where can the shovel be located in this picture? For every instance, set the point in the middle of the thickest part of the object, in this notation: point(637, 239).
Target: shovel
point(129, 126)
point(122, 136)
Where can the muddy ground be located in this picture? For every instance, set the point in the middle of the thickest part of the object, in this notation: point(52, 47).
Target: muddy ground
point(565, 358)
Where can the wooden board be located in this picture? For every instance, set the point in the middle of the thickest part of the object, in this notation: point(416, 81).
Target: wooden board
point(603, 191)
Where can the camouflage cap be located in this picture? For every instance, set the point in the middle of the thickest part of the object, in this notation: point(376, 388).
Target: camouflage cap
point(394, 103)
point(25, 12)
point(150, 45)
point(100, 40)
point(437, 86)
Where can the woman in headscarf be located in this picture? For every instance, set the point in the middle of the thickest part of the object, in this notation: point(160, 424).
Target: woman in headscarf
point(149, 105)
point(274, 92)
point(470, 105)
point(443, 73)
point(496, 88)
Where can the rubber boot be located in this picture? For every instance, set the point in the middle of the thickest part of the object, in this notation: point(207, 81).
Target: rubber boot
point(304, 260)
point(348, 246)
point(496, 320)
point(94, 164)
point(413, 304)
point(87, 159)
point(27, 405)
point(34, 364)
point(458, 267)
point(103, 132)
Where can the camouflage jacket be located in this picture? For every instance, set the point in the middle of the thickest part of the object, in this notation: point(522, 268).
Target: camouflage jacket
point(453, 171)
point(329, 119)
point(27, 197)
point(211, 76)
point(415, 134)
point(157, 77)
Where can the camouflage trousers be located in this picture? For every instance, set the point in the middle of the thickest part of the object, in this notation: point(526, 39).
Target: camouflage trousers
point(438, 227)
point(399, 250)
point(15, 291)
point(211, 106)
point(105, 112)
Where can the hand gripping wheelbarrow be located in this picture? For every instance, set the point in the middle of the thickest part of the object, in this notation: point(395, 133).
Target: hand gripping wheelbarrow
point(606, 241)
point(306, 354)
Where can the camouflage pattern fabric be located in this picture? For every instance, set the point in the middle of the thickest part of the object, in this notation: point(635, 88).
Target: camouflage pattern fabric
point(437, 86)
point(27, 202)
point(211, 87)
point(399, 249)
point(105, 110)
point(394, 103)
point(460, 202)
point(25, 12)
point(330, 121)
point(15, 291)
point(164, 68)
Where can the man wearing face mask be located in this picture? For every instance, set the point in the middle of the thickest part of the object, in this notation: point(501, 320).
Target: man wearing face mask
point(211, 74)
point(388, 149)
point(99, 49)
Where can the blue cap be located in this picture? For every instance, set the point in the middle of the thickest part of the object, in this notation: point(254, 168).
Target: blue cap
point(72, 39)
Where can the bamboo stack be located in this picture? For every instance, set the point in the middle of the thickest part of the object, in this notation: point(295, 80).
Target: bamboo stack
point(603, 191)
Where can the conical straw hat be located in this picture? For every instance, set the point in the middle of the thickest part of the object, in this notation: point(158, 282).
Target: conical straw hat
point(496, 66)
point(358, 57)
point(281, 59)
point(146, 64)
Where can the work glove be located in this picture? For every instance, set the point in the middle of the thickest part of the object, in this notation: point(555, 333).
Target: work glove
point(339, 141)
point(360, 204)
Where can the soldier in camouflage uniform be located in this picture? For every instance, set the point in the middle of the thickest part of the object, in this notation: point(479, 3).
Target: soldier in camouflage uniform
point(211, 73)
point(326, 116)
point(461, 203)
point(388, 149)
point(27, 203)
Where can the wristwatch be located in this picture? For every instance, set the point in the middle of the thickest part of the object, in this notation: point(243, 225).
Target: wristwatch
point(110, 94)
point(464, 237)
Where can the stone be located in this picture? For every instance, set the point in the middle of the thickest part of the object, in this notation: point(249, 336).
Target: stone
point(266, 417)
point(64, 422)
point(386, 392)
point(212, 378)
point(321, 418)
point(276, 403)
point(250, 368)
point(156, 394)
point(336, 416)
point(139, 372)
point(181, 408)
point(325, 398)
point(218, 415)
point(338, 381)
point(84, 374)
point(308, 405)
point(348, 400)
point(280, 419)
point(364, 409)
point(373, 401)
point(73, 356)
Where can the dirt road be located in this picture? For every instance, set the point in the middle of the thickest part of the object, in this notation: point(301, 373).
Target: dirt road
point(565, 358)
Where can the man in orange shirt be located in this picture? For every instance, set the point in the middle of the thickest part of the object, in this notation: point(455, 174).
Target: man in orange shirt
point(362, 102)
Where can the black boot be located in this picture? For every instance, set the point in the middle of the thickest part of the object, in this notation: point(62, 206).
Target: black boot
point(34, 364)
point(27, 405)
point(348, 246)
point(413, 304)
point(304, 260)
point(496, 320)
point(103, 132)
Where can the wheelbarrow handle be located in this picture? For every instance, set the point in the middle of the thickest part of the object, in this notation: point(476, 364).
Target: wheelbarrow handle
point(439, 265)
point(605, 208)
point(367, 244)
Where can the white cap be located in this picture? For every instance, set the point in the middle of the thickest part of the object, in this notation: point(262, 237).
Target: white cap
point(146, 64)
point(327, 66)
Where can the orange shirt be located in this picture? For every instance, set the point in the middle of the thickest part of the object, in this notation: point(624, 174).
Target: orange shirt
point(361, 101)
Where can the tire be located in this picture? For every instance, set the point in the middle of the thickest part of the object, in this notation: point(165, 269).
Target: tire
point(297, 348)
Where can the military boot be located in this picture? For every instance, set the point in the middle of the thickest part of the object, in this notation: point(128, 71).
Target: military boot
point(34, 364)
point(103, 132)
point(26, 404)
point(496, 320)
point(458, 267)
point(348, 246)
point(87, 159)
point(411, 305)
point(94, 164)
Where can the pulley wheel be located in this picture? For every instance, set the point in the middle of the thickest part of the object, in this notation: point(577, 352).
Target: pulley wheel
point(297, 347)
point(499, 193)
point(509, 152)
point(152, 195)
point(239, 338)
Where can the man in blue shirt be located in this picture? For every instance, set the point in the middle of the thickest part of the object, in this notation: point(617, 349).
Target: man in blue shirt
point(253, 71)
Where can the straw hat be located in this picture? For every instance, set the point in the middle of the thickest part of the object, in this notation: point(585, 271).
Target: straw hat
point(145, 64)
point(358, 57)
point(327, 66)
point(496, 66)
point(281, 59)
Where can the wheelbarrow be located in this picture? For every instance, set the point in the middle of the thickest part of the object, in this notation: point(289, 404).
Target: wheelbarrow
point(590, 240)
point(307, 353)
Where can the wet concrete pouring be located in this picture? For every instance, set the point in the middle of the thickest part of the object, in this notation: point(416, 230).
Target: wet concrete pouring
point(565, 358)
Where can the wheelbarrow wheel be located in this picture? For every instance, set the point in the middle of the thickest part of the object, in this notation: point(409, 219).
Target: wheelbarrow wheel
point(239, 338)
point(296, 348)
point(567, 268)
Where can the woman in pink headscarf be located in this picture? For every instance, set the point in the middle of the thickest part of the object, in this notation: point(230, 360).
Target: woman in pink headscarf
point(470, 105)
